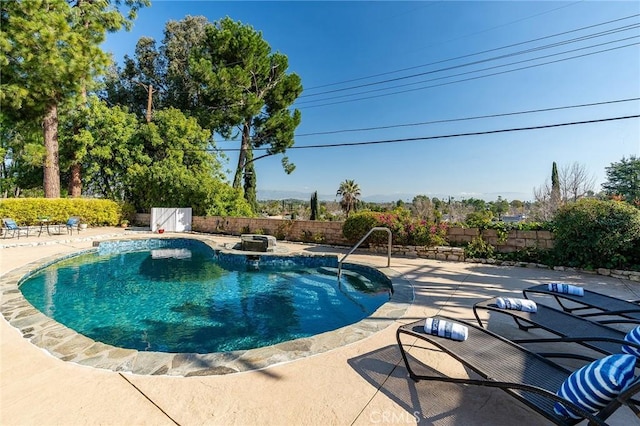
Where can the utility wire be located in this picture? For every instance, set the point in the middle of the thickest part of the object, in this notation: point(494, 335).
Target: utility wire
point(470, 78)
point(447, 136)
point(472, 54)
point(495, 58)
point(452, 120)
point(610, 31)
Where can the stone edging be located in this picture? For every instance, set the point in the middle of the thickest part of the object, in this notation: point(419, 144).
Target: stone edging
point(68, 345)
point(613, 273)
point(52, 242)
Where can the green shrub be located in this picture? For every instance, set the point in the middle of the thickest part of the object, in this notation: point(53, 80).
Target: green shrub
point(404, 229)
point(358, 224)
point(592, 233)
point(479, 249)
point(95, 212)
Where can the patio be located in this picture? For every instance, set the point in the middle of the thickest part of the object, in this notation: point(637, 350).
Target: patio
point(360, 383)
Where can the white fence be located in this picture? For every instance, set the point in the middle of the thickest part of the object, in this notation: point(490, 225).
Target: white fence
point(171, 219)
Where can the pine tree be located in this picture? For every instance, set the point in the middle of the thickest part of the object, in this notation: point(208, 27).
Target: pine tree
point(49, 50)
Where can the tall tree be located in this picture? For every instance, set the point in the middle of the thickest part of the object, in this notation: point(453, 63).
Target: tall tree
point(103, 137)
point(50, 49)
point(555, 187)
point(349, 191)
point(243, 86)
point(623, 178)
point(164, 68)
point(314, 206)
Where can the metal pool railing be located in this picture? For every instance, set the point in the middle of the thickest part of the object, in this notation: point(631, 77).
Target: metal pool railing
point(377, 228)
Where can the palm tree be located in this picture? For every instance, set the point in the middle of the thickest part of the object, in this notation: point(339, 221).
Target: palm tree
point(350, 191)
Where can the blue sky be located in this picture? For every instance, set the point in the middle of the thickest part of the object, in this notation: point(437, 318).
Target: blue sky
point(331, 42)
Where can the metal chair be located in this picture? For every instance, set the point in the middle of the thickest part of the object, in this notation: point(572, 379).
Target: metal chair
point(10, 225)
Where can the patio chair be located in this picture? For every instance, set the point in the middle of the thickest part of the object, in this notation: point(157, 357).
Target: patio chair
point(501, 363)
point(72, 223)
point(10, 226)
point(592, 305)
point(567, 327)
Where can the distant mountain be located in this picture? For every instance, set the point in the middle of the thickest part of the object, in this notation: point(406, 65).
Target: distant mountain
point(264, 195)
point(268, 194)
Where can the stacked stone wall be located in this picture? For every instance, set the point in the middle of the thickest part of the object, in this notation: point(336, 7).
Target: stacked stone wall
point(312, 231)
point(331, 233)
point(512, 241)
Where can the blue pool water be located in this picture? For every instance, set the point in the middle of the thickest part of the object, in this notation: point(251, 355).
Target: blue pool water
point(189, 298)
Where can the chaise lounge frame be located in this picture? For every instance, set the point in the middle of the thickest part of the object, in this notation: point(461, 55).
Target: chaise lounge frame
point(625, 311)
point(501, 363)
point(567, 327)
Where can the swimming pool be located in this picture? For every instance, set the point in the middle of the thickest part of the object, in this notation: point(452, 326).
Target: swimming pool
point(71, 346)
point(180, 295)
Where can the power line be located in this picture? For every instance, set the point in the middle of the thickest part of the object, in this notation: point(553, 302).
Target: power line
point(610, 31)
point(447, 136)
point(474, 54)
point(495, 58)
point(468, 79)
point(478, 117)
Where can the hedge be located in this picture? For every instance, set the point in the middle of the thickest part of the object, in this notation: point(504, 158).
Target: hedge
point(94, 212)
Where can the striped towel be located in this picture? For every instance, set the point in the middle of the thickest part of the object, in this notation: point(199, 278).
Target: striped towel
point(447, 329)
point(525, 305)
point(566, 289)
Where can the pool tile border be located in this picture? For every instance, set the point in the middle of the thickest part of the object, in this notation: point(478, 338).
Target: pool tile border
point(68, 345)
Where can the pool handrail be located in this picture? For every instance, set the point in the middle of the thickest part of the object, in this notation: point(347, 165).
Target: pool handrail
point(376, 228)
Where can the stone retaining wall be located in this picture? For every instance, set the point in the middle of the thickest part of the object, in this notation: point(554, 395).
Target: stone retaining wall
point(310, 231)
point(513, 241)
point(331, 233)
point(454, 254)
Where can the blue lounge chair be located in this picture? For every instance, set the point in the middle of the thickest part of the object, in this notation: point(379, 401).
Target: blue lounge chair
point(10, 226)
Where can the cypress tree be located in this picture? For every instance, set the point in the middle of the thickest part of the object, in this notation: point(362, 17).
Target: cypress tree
point(555, 186)
point(314, 206)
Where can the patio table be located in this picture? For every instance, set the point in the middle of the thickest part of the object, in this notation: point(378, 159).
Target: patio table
point(44, 222)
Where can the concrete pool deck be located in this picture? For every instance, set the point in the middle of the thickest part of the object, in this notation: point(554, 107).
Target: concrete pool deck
point(359, 383)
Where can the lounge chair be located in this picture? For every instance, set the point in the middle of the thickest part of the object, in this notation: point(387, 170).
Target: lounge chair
point(592, 305)
point(10, 226)
point(567, 327)
point(500, 363)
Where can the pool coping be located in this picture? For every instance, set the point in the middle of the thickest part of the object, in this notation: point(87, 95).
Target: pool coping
point(70, 346)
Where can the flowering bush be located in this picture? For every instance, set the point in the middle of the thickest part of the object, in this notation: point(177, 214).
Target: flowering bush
point(405, 230)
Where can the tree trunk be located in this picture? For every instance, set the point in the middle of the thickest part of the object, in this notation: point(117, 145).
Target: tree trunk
point(244, 147)
point(51, 161)
point(250, 184)
point(75, 181)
